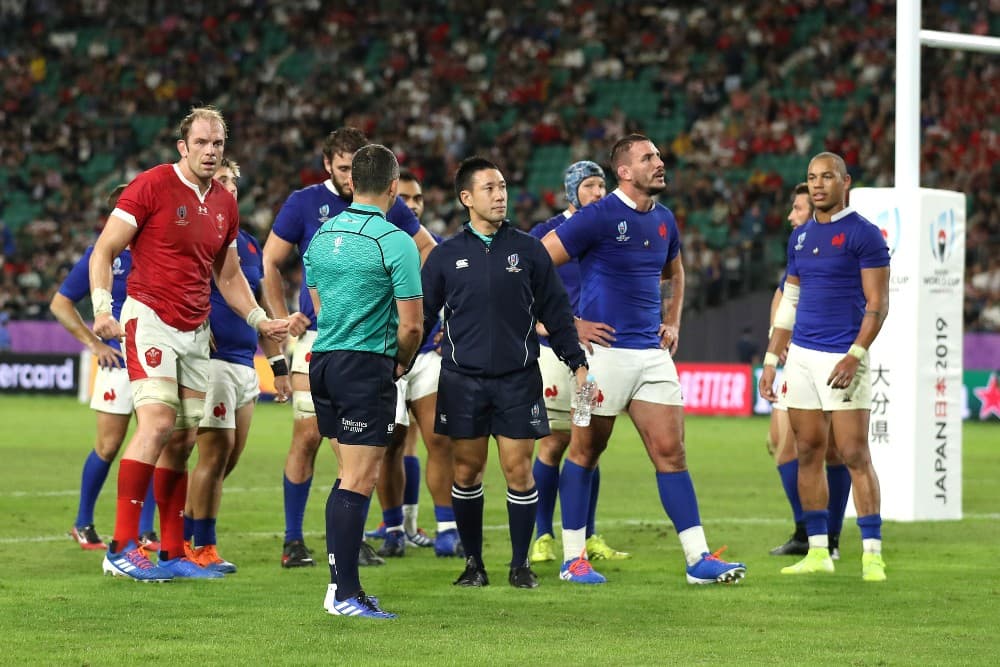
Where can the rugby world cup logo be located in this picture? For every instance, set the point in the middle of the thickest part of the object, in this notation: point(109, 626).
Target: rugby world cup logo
point(512, 261)
point(942, 236)
point(622, 232)
point(324, 212)
point(891, 227)
point(800, 241)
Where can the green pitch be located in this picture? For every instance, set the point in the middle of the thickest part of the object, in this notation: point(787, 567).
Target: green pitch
point(940, 606)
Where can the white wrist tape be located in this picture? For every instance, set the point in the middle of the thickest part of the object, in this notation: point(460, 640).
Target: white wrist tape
point(256, 317)
point(101, 299)
point(784, 317)
point(857, 352)
point(770, 359)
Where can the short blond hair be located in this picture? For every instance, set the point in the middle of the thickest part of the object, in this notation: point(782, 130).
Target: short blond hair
point(231, 165)
point(208, 113)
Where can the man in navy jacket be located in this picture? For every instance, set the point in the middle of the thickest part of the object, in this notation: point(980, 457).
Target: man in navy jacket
point(494, 283)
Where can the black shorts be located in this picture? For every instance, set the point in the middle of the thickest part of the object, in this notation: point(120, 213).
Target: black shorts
point(473, 407)
point(354, 395)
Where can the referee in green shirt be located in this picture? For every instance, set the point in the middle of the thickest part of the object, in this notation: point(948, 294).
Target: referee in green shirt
point(363, 274)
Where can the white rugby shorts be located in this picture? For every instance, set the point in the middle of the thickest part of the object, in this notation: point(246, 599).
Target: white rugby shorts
point(805, 387)
point(230, 387)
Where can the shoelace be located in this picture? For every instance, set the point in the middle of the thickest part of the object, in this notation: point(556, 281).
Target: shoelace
point(718, 552)
point(580, 567)
point(138, 558)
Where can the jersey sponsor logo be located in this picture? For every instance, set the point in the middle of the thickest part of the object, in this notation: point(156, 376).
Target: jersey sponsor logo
point(552, 392)
point(462, 264)
point(202, 210)
point(800, 241)
point(153, 357)
point(622, 232)
point(389, 428)
point(838, 240)
point(219, 411)
point(324, 212)
point(110, 395)
point(443, 418)
point(512, 261)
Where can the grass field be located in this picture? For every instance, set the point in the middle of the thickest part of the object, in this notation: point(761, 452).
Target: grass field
point(941, 605)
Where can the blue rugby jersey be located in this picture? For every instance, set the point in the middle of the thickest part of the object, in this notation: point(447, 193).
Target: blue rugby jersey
point(77, 284)
point(622, 254)
point(827, 258)
point(306, 209)
point(235, 340)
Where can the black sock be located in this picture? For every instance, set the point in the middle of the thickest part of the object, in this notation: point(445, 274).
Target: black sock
point(800, 532)
point(521, 508)
point(347, 524)
point(330, 559)
point(467, 503)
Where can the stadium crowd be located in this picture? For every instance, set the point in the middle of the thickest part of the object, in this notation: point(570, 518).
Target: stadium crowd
point(737, 99)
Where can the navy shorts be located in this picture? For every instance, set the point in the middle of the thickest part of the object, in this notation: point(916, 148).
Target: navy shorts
point(510, 405)
point(354, 395)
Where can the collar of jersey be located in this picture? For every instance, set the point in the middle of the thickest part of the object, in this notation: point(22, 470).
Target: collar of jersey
point(367, 208)
point(193, 186)
point(843, 214)
point(626, 200)
point(483, 237)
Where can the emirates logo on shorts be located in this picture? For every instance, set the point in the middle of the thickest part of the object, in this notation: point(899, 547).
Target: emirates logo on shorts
point(153, 357)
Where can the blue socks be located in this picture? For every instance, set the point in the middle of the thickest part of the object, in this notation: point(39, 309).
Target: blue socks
point(574, 495)
point(789, 473)
point(678, 499)
point(547, 483)
point(411, 491)
point(296, 496)
point(95, 471)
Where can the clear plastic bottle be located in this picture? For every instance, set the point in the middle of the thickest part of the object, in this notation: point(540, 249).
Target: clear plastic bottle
point(584, 402)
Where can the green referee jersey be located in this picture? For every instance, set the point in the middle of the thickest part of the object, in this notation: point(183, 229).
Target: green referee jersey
point(360, 264)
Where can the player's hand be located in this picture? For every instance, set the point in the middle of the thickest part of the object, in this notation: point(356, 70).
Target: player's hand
point(399, 371)
point(298, 324)
point(282, 388)
point(668, 337)
point(106, 327)
point(766, 384)
point(843, 373)
point(107, 356)
point(276, 330)
point(591, 333)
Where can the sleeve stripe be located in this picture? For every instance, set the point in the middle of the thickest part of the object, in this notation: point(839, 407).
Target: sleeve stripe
point(125, 216)
point(408, 298)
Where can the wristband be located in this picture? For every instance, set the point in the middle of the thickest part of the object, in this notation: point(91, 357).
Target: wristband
point(857, 352)
point(278, 365)
point(101, 300)
point(256, 317)
point(770, 359)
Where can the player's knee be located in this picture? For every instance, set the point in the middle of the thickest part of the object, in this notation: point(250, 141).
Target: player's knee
point(302, 405)
point(155, 391)
point(190, 413)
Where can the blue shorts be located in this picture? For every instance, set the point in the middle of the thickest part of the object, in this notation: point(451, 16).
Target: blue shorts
point(510, 405)
point(354, 395)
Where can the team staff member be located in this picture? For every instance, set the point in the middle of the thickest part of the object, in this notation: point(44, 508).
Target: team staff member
point(363, 275)
point(299, 218)
point(835, 301)
point(182, 226)
point(494, 284)
point(112, 396)
point(628, 245)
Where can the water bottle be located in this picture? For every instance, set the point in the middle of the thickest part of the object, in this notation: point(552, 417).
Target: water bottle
point(584, 402)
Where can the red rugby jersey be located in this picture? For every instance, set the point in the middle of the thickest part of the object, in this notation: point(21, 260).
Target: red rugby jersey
point(180, 233)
